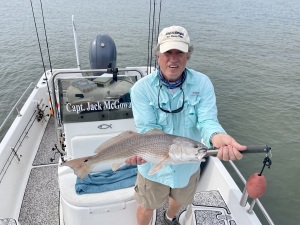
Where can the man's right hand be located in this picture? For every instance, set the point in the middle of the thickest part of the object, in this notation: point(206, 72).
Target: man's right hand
point(135, 160)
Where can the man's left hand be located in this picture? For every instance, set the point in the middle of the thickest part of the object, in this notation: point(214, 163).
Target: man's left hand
point(229, 149)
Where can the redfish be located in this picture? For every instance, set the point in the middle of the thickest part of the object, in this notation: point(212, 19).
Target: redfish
point(155, 146)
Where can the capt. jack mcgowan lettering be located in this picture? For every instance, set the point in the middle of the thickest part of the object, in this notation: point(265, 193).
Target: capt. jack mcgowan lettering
point(97, 106)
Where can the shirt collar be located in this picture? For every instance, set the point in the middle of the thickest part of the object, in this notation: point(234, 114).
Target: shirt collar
point(190, 79)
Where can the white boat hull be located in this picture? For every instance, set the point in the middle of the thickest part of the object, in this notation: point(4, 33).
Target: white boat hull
point(217, 197)
point(18, 149)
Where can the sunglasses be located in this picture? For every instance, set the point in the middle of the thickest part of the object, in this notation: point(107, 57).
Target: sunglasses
point(173, 111)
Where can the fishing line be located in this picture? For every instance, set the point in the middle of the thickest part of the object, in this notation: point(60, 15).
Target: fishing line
point(41, 53)
point(158, 26)
point(149, 25)
point(37, 34)
point(153, 19)
point(46, 35)
point(154, 33)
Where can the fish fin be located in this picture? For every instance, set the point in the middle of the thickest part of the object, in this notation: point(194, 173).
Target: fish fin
point(116, 166)
point(81, 166)
point(117, 139)
point(155, 131)
point(154, 169)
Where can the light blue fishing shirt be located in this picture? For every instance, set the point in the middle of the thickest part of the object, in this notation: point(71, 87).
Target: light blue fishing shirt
point(198, 119)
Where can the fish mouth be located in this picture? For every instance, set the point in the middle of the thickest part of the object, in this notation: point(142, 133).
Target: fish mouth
point(201, 153)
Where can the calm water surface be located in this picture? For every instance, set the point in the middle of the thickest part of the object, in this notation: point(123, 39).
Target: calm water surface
point(249, 49)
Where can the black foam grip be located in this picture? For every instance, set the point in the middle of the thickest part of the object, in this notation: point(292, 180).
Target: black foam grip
point(257, 149)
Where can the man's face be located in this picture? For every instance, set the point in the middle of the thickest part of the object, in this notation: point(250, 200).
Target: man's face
point(172, 63)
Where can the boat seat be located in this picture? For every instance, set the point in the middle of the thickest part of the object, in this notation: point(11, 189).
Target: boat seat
point(85, 146)
point(67, 190)
point(82, 146)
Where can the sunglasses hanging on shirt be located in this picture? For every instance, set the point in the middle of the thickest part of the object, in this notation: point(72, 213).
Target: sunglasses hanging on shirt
point(173, 111)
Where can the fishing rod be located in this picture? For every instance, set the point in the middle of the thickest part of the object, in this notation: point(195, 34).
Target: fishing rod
point(250, 149)
point(40, 48)
point(153, 25)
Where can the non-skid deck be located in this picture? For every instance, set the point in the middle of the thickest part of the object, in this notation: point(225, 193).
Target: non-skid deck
point(41, 199)
point(208, 207)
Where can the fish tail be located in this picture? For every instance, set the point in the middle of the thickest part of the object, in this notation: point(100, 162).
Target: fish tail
point(81, 166)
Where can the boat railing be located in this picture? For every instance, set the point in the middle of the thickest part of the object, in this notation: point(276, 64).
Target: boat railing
point(15, 108)
point(245, 196)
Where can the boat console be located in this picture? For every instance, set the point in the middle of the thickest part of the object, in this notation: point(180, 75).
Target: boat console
point(90, 110)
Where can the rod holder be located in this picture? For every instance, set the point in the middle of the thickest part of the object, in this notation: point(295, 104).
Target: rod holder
point(15, 153)
point(250, 210)
point(244, 198)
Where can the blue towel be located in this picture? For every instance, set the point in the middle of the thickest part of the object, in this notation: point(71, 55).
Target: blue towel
point(107, 180)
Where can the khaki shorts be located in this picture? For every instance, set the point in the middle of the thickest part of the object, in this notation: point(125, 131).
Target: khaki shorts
point(153, 195)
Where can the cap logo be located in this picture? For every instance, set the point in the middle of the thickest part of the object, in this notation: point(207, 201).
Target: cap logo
point(174, 34)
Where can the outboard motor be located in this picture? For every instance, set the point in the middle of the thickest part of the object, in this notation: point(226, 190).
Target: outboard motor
point(103, 53)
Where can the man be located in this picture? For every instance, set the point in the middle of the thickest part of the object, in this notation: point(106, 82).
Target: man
point(179, 101)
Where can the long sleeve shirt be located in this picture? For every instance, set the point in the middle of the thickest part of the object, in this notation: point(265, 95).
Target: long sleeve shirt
point(198, 119)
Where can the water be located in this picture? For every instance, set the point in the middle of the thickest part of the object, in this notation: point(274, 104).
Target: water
point(249, 49)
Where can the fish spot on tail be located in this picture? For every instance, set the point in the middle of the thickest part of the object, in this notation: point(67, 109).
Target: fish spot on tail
point(80, 166)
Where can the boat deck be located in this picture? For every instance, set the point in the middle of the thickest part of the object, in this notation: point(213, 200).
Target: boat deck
point(41, 198)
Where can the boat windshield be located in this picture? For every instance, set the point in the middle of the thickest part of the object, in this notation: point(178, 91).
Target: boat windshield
point(84, 99)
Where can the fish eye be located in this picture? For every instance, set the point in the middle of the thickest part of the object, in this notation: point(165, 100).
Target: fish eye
point(195, 146)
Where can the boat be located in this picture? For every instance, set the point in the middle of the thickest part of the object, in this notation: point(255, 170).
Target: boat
point(68, 114)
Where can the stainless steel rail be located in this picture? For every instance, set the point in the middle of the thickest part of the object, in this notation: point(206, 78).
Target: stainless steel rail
point(15, 107)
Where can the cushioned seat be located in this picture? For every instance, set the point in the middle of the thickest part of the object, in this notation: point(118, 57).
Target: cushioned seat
point(67, 188)
point(82, 146)
point(85, 146)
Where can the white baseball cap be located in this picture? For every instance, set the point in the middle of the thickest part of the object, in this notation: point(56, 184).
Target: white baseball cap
point(173, 37)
